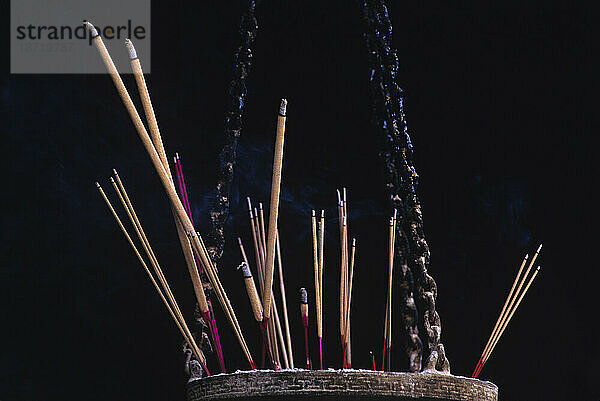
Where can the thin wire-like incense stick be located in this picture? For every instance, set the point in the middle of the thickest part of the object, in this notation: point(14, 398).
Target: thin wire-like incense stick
point(274, 208)
point(504, 309)
point(284, 304)
point(508, 319)
point(510, 307)
point(181, 325)
point(168, 186)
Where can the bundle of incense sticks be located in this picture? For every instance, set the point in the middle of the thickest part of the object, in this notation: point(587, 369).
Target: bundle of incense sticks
point(191, 242)
point(508, 310)
point(387, 327)
point(164, 290)
point(346, 276)
point(209, 318)
point(275, 346)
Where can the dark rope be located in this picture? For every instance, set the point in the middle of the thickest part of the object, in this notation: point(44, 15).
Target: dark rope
point(236, 97)
point(401, 182)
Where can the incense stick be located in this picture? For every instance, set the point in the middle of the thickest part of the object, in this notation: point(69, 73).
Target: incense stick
point(510, 307)
point(167, 183)
point(284, 303)
point(181, 325)
point(158, 145)
point(274, 208)
point(304, 315)
point(508, 319)
point(316, 274)
point(497, 325)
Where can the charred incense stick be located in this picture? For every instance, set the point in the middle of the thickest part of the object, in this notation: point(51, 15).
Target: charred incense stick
point(250, 287)
point(181, 325)
point(497, 325)
point(274, 208)
point(284, 303)
point(304, 315)
point(508, 320)
point(168, 186)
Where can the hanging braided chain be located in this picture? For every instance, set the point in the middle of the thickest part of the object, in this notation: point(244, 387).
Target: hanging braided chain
point(236, 94)
point(401, 182)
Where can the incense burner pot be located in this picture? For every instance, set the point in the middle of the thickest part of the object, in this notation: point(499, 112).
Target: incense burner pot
point(339, 385)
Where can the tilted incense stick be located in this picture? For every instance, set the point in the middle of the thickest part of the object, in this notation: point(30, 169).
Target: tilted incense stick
point(168, 186)
point(274, 208)
point(284, 303)
point(348, 336)
point(504, 321)
point(181, 325)
point(504, 309)
point(508, 320)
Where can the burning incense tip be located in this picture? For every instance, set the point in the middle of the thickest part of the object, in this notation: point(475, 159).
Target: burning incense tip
point(353, 241)
point(339, 196)
point(395, 213)
point(90, 28)
point(115, 172)
point(249, 204)
point(322, 213)
point(344, 189)
point(131, 49)
point(97, 185)
point(539, 249)
point(245, 270)
point(260, 206)
point(283, 107)
point(112, 180)
point(313, 213)
point(303, 296)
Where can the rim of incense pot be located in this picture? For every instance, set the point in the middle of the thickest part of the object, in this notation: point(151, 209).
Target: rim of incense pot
point(339, 384)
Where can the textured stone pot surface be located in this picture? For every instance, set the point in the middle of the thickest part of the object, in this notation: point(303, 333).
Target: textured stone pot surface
point(339, 385)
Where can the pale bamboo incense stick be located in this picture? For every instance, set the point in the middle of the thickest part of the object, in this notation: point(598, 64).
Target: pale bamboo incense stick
point(250, 287)
point(274, 207)
point(510, 306)
point(508, 319)
point(181, 325)
point(388, 313)
point(315, 265)
point(254, 238)
point(273, 333)
point(284, 303)
point(168, 186)
point(254, 299)
point(158, 144)
point(260, 233)
point(345, 284)
point(127, 205)
point(282, 343)
point(504, 309)
point(304, 315)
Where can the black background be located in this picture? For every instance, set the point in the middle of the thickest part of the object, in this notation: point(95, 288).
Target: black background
point(498, 100)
